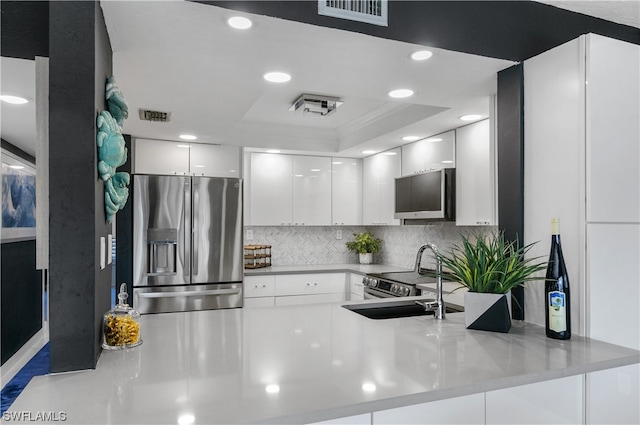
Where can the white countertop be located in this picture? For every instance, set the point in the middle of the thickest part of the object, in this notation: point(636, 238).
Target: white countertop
point(218, 365)
point(324, 268)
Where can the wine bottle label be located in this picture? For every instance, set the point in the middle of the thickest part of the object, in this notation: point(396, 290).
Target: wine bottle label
point(557, 311)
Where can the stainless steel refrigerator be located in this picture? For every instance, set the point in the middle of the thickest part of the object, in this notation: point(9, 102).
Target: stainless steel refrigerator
point(187, 243)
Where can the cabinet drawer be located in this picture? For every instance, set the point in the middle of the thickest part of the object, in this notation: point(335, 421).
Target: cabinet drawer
point(260, 302)
point(259, 286)
point(304, 284)
point(309, 299)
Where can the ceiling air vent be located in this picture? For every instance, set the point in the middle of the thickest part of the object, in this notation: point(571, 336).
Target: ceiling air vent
point(156, 116)
point(369, 11)
point(315, 105)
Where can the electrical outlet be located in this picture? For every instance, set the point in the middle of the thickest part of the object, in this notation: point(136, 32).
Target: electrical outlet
point(338, 234)
point(249, 234)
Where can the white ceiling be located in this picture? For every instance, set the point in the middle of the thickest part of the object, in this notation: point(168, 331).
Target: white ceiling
point(182, 57)
point(625, 12)
point(18, 122)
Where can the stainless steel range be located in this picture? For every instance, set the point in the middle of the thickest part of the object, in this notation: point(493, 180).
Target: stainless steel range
point(395, 284)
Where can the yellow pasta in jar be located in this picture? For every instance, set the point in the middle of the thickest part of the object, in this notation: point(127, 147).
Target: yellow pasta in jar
point(121, 330)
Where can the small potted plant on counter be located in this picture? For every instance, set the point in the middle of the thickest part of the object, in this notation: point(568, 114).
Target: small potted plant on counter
point(365, 244)
point(490, 268)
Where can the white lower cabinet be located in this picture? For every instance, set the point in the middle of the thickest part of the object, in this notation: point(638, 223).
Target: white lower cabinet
point(309, 299)
point(550, 402)
point(364, 419)
point(356, 287)
point(609, 397)
point(260, 302)
point(294, 289)
point(613, 395)
point(459, 410)
point(259, 291)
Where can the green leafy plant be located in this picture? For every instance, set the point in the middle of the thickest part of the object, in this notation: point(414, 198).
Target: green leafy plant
point(364, 242)
point(490, 264)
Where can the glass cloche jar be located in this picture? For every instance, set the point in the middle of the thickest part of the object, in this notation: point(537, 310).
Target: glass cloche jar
point(121, 325)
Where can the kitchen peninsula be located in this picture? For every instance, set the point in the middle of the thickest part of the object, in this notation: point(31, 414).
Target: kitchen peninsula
point(304, 364)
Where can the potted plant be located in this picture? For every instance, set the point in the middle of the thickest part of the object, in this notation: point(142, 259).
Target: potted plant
point(490, 267)
point(364, 244)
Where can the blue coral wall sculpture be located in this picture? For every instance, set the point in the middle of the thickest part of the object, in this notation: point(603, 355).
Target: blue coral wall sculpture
point(112, 152)
point(115, 101)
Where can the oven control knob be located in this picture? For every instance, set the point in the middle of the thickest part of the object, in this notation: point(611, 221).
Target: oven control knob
point(395, 288)
point(406, 291)
point(373, 282)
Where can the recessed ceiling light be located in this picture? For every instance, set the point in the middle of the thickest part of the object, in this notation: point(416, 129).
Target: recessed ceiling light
point(434, 139)
point(337, 162)
point(187, 137)
point(470, 117)
point(368, 152)
point(277, 77)
point(411, 138)
point(315, 169)
point(401, 93)
point(447, 161)
point(16, 167)
point(14, 100)
point(232, 171)
point(184, 146)
point(421, 55)
point(273, 151)
point(199, 166)
point(390, 153)
point(239, 22)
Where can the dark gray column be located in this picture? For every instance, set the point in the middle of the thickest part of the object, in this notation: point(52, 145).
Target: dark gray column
point(80, 60)
point(511, 162)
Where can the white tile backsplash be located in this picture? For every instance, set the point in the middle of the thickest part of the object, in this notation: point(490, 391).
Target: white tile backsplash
point(292, 245)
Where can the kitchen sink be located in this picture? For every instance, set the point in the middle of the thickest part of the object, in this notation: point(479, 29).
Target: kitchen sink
point(392, 309)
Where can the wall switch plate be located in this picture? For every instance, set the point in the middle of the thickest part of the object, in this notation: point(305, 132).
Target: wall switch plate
point(102, 252)
point(338, 234)
point(109, 247)
point(249, 234)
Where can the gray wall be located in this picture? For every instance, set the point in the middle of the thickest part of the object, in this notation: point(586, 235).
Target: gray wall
point(80, 61)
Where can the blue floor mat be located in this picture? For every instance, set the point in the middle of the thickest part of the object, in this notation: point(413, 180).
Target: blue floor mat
point(38, 365)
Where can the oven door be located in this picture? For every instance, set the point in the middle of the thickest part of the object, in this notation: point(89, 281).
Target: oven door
point(372, 294)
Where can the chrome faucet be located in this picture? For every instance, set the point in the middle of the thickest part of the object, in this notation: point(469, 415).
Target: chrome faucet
point(436, 306)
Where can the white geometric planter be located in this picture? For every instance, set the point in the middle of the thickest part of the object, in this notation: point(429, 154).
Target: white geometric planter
point(487, 312)
point(365, 258)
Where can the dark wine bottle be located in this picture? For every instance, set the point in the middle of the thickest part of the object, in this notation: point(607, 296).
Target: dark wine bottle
point(558, 299)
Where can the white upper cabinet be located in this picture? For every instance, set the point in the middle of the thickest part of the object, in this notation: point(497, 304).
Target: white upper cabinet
point(475, 175)
point(214, 160)
point(430, 154)
point(379, 173)
point(160, 157)
point(613, 133)
point(271, 189)
point(290, 190)
point(176, 158)
point(311, 190)
point(346, 191)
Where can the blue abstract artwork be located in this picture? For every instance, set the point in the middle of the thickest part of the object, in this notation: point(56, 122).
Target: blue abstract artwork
point(18, 198)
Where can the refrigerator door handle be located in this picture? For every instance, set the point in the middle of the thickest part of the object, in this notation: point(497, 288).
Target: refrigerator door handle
point(187, 228)
point(194, 226)
point(232, 291)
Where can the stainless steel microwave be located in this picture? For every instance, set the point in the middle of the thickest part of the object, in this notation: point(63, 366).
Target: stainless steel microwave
point(430, 195)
